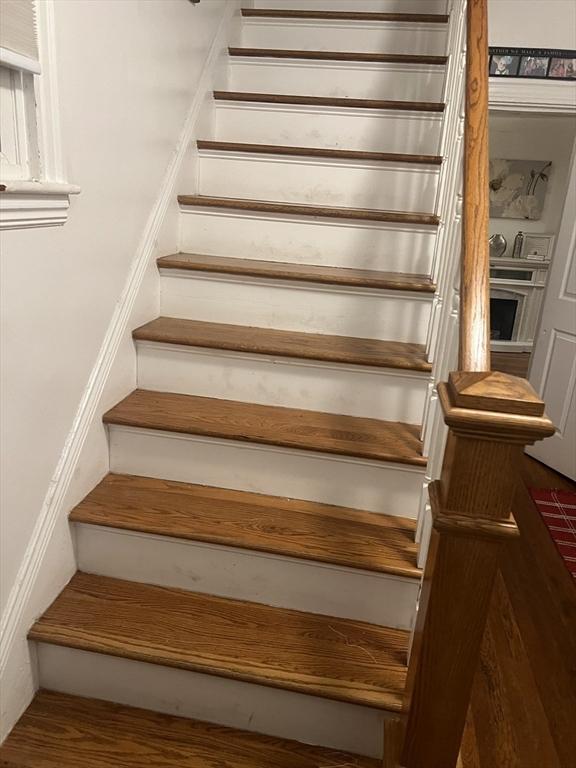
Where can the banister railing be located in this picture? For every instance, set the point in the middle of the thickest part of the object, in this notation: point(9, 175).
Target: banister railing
point(489, 418)
point(474, 347)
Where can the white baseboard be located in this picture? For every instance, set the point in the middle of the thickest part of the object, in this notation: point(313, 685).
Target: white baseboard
point(49, 561)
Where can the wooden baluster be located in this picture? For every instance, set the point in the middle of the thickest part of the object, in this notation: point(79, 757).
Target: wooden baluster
point(491, 417)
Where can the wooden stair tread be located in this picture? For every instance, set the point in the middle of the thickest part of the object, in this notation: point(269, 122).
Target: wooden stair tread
point(330, 101)
point(269, 341)
point(271, 425)
point(336, 154)
point(377, 58)
point(319, 655)
point(291, 527)
point(273, 13)
point(63, 731)
point(277, 270)
point(300, 209)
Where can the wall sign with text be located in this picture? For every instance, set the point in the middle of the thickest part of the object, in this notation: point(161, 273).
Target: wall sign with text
point(533, 63)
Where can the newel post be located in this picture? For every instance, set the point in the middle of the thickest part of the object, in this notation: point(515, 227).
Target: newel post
point(491, 417)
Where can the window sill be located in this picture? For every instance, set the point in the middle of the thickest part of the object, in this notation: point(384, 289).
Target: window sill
point(25, 204)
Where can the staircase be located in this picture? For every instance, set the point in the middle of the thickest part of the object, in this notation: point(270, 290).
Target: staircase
point(248, 570)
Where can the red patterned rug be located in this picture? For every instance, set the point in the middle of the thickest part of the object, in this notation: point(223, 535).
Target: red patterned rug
point(558, 510)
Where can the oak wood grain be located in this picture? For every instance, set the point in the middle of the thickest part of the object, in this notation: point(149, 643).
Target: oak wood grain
point(495, 391)
point(62, 731)
point(323, 152)
point(268, 341)
point(503, 425)
point(413, 18)
point(378, 58)
point(474, 347)
point(511, 725)
point(330, 101)
point(319, 655)
point(309, 273)
point(290, 527)
point(514, 363)
point(271, 425)
point(316, 211)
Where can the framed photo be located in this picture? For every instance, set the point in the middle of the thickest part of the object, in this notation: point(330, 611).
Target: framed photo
point(518, 188)
point(562, 69)
point(533, 63)
point(537, 247)
point(534, 66)
point(504, 66)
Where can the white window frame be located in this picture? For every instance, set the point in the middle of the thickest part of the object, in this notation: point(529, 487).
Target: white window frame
point(35, 192)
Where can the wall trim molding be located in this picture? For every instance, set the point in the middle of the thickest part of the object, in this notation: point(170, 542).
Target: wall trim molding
point(20, 605)
point(519, 95)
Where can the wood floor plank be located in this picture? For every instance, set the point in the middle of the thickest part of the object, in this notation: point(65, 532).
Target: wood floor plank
point(271, 425)
point(376, 58)
point(300, 209)
point(322, 152)
point(330, 101)
point(269, 341)
point(320, 655)
point(289, 527)
point(63, 731)
point(280, 13)
point(276, 270)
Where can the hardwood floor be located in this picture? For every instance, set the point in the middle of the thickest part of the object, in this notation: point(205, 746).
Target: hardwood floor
point(324, 656)
point(309, 273)
point(291, 527)
point(300, 209)
point(376, 58)
point(271, 425)
point(269, 341)
point(524, 699)
point(62, 731)
point(324, 152)
point(272, 13)
point(331, 101)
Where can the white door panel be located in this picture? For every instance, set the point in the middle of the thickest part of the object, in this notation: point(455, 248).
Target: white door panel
point(553, 370)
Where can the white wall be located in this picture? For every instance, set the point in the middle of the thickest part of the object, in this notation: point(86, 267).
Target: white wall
point(534, 137)
point(128, 71)
point(532, 23)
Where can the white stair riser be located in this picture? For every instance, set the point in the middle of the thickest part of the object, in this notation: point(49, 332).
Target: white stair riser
point(345, 128)
point(212, 699)
point(390, 488)
point(383, 186)
point(327, 78)
point(360, 6)
point(247, 575)
point(307, 307)
point(308, 240)
point(356, 36)
point(268, 380)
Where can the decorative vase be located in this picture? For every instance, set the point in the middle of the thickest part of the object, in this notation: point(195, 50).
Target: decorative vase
point(498, 246)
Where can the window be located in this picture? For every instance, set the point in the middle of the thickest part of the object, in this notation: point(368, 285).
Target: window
point(18, 137)
point(33, 187)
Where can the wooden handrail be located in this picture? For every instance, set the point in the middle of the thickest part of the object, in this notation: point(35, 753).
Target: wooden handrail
point(474, 349)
